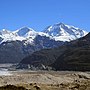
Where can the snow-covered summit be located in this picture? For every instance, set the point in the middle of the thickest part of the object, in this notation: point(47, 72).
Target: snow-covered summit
point(23, 31)
point(4, 31)
point(21, 34)
point(62, 32)
point(26, 32)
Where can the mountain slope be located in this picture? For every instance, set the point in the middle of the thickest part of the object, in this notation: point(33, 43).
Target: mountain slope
point(11, 52)
point(74, 55)
point(45, 57)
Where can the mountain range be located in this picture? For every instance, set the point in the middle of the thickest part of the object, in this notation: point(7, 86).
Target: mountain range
point(57, 32)
point(16, 45)
point(74, 56)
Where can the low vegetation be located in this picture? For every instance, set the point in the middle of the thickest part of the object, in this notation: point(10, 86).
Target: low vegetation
point(12, 87)
point(76, 85)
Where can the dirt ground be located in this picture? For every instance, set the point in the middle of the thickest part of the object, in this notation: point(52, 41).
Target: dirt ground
point(47, 80)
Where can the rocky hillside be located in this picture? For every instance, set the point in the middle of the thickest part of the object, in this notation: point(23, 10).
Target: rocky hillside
point(74, 55)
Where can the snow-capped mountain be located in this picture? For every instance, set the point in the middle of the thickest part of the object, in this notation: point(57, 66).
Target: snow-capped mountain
point(58, 32)
point(15, 45)
point(4, 31)
point(25, 32)
point(21, 34)
point(62, 32)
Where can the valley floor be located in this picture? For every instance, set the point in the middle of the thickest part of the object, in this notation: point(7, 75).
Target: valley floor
point(47, 80)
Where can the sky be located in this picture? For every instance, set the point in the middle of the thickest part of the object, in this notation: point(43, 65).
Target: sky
point(38, 14)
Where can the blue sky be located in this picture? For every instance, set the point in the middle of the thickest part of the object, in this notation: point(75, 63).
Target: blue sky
point(38, 14)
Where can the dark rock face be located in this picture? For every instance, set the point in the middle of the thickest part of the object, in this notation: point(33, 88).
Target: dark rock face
point(46, 42)
point(76, 57)
point(11, 52)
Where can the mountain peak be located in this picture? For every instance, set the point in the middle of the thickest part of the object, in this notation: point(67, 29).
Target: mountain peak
point(59, 23)
point(23, 31)
point(5, 31)
point(63, 32)
point(26, 27)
